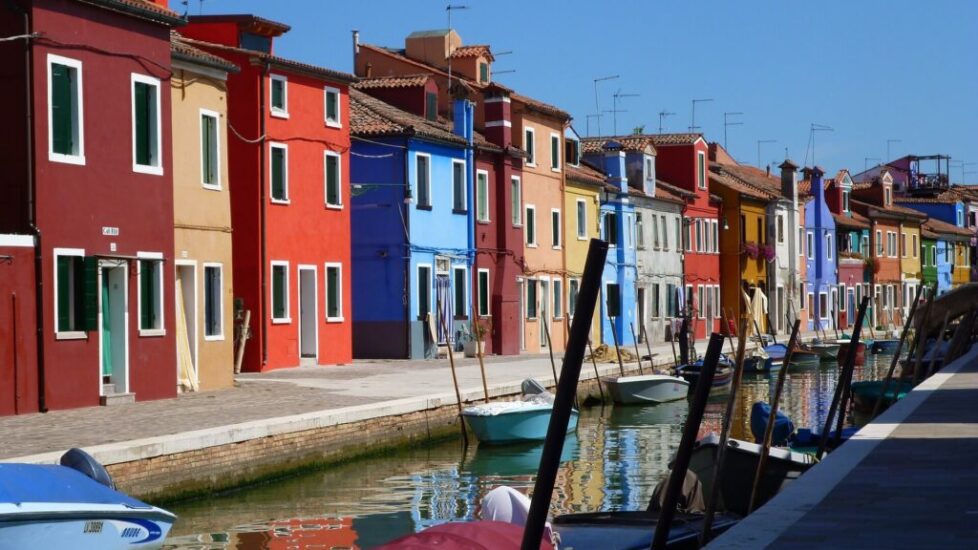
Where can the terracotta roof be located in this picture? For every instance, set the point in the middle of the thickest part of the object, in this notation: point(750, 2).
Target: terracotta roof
point(393, 81)
point(949, 196)
point(585, 173)
point(370, 116)
point(180, 49)
point(245, 20)
point(141, 8)
point(893, 211)
point(669, 189)
point(855, 221)
point(675, 139)
point(720, 175)
point(279, 62)
point(595, 145)
point(943, 229)
point(540, 107)
point(969, 191)
point(474, 50)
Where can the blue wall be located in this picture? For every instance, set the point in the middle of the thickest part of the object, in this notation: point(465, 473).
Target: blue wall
point(944, 268)
point(822, 273)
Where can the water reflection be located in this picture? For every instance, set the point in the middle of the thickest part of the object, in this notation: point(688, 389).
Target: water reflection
point(612, 463)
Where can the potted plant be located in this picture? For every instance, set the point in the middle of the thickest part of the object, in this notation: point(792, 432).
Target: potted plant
point(750, 248)
point(479, 331)
point(768, 252)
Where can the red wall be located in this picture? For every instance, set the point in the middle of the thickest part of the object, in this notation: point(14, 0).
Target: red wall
point(18, 338)
point(75, 202)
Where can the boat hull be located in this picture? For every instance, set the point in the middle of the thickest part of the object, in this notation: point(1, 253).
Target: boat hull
point(865, 394)
point(758, 363)
point(760, 413)
point(886, 347)
point(649, 389)
point(826, 351)
point(805, 359)
point(85, 531)
point(514, 426)
point(844, 352)
point(632, 530)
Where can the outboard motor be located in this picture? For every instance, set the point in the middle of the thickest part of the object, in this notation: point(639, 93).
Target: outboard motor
point(532, 387)
point(79, 460)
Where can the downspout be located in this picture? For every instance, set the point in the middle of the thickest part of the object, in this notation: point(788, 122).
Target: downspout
point(405, 206)
point(470, 176)
point(264, 237)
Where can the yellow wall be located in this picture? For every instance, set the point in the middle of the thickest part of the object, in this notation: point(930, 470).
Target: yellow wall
point(910, 262)
point(962, 267)
point(575, 248)
point(202, 217)
point(735, 266)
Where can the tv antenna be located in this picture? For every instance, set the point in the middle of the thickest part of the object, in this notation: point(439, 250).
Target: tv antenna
point(692, 118)
point(759, 143)
point(597, 108)
point(663, 114)
point(614, 109)
point(734, 123)
point(814, 127)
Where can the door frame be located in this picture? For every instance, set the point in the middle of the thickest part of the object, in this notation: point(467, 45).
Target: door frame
point(124, 265)
point(197, 326)
point(543, 315)
point(315, 305)
point(521, 285)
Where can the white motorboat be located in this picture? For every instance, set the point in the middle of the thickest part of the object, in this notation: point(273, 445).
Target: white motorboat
point(647, 389)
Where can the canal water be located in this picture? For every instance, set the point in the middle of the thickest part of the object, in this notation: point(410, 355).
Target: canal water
point(612, 463)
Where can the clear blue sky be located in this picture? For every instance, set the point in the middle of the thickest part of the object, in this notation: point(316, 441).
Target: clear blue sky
point(872, 70)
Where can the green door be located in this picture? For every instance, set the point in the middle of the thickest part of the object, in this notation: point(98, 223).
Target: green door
point(106, 326)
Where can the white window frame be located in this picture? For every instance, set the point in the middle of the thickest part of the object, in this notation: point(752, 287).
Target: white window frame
point(417, 184)
point(275, 111)
point(220, 301)
point(217, 150)
point(465, 203)
point(557, 300)
point(285, 175)
point(465, 287)
point(779, 228)
point(701, 175)
point(536, 227)
point(487, 307)
point(431, 288)
point(339, 295)
point(828, 245)
point(65, 334)
point(581, 223)
point(338, 123)
point(271, 294)
point(665, 232)
point(518, 222)
point(532, 161)
point(570, 303)
point(801, 241)
point(554, 162)
point(560, 230)
point(479, 191)
point(810, 245)
point(79, 158)
point(339, 180)
point(822, 311)
point(700, 299)
point(914, 244)
point(151, 257)
point(698, 241)
point(151, 169)
point(880, 245)
point(845, 201)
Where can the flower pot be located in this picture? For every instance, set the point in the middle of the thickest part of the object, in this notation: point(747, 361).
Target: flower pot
point(469, 349)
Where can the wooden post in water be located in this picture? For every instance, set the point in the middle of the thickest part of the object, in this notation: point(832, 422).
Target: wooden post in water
point(550, 349)
point(648, 346)
point(769, 429)
point(920, 339)
point(672, 342)
point(701, 394)
point(844, 377)
point(638, 354)
point(451, 362)
point(564, 398)
point(614, 337)
point(896, 355)
point(726, 322)
point(718, 467)
point(597, 377)
point(477, 330)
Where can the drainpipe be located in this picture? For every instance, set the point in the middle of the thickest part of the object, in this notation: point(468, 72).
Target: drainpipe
point(264, 240)
point(405, 206)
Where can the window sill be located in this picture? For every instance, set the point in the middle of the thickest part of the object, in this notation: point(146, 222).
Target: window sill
point(461, 317)
point(458, 211)
point(216, 338)
point(153, 332)
point(77, 160)
point(531, 165)
point(71, 335)
point(558, 318)
point(211, 187)
point(555, 170)
point(149, 170)
point(335, 319)
point(280, 201)
point(424, 207)
point(277, 113)
point(531, 245)
point(483, 222)
point(518, 225)
point(334, 206)
point(333, 124)
point(558, 247)
point(282, 321)
point(485, 316)
point(580, 238)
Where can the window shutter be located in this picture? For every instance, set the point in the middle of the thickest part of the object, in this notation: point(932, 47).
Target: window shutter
point(484, 293)
point(554, 150)
point(278, 174)
point(142, 110)
point(278, 94)
point(332, 107)
point(431, 106)
point(209, 129)
point(145, 295)
point(64, 293)
point(332, 180)
point(333, 291)
point(61, 109)
point(89, 285)
point(483, 72)
point(278, 293)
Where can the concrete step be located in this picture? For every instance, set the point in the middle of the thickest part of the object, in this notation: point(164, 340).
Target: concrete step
point(117, 399)
point(108, 389)
point(307, 361)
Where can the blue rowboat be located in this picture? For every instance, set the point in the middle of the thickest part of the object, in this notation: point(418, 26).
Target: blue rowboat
point(760, 412)
point(67, 506)
point(776, 351)
point(512, 421)
point(649, 389)
point(886, 347)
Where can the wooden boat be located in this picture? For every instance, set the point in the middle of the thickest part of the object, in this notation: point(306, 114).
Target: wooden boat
point(721, 378)
point(776, 351)
point(825, 350)
point(512, 421)
point(844, 351)
point(633, 530)
point(865, 394)
point(885, 347)
point(760, 412)
point(846, 337)
point(802, 357)
point(782, 467)
point(646, 389)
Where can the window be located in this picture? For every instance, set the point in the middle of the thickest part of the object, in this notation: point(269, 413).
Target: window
point(656, 303)
point(688, 236)
point(146, 140)
point(558, 301)
point(210, 150)
point(864, 245)
point(334, 292)
point(423, 179)
point(891, 244)
point(555, 152)
point(679, 231)
point(823, 305)
point(649, 170)
point(483, 292)
point(279, 169)
point(828, 245)
point(531, 225)
point(879, 243)
point(66, 138)
point(280, 292)
point(213, 302)
point(665, 233)
point(887, 196)
point(845, 201)
point(743, 229)
point(640, 230)
point(801, 241)
point(482, 196)
point(670, 300)
point(701, 301)
point(279, 96)
point(572, 150)
point(810, 245)
point(611, 228)
point(458, 186)
point(960, 218)
point(431, 106)
point(531, 299)
point(334, 197)
point(716, 236)
point(76, 292)
point(483, 72)
point(150, 294)
point(573, 287)
point(613, 300)
point(516, 201)
point(811, 304)
point(701, 170)
point(903, 245)
point(424, 292)
point(914, 246)
point(459, 283)
point(581, 219)
point(779, 229)
point(331, 107)
point(555, 227)
point(699, 236)
point(529, 146)
point(716, 301)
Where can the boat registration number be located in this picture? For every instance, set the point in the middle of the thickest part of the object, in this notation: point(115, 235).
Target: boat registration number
point(93, 527)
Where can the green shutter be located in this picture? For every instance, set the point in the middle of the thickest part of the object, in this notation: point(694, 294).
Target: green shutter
point(332, 106)
point(141, 110)
point(208, 138)
point(554, 148)
point(458, 182)
point(278, 94)
point(483, 72)
point(64, 293)
point(278, 292)
point(332, 180)
point(278, 174)
point(431, 106)
point(61, 109)
point(484, 293)
point(333, 291)
point(146, 295)
point(88, 284)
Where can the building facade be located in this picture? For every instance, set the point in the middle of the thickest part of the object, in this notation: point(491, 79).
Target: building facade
point(822, 293)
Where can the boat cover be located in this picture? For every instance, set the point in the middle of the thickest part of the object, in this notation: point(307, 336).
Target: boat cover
point(506, 407)
point(473, 535)
point(20, 483)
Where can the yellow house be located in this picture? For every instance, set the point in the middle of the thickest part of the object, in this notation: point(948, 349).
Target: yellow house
point(582, 195)
point(961, 272)
point(202, 219)
point(911, 271)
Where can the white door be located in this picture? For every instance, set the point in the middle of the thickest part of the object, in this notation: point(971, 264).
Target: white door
point(308, 333)
point(186, 324)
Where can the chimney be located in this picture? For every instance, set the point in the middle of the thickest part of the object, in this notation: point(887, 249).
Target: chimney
point(789, 181)
point(614, 164)
point(463, 115)
point(356, 45)
point(499, 126)
point(818, 190)
point(768, 167)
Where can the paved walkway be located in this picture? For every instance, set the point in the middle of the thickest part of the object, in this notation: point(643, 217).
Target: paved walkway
point(908, 480)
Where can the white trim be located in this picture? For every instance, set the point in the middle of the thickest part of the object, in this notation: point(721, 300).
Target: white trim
point(488, 217)
point(150, 257)
point(465, 197)
point(465, 289)
point(285, 176)
point(498, 99)
point(533, 140)
point(203, 310)
point(16, 241)
point(67, 334)
point(519, 185)
point(478, 291)
point(299, 268)
point(560, 229)
point(326, 267)
point(155, 169)
point(338, 123)
point(430, 286)
point(339, 180)
point(417, 184)
point(271, 289)
point(78, 159)
point(217, 149)
point(497, 123)
point(526, 223)
point(581, 224)
point(701, 181)
point(552, 167)
point(275, 111)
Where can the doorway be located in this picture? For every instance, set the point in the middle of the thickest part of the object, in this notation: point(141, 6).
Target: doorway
point(640, 334)
point(544, 300)
point(186, 303)
point(113, 320)
point(522, 314)
point(308, 313)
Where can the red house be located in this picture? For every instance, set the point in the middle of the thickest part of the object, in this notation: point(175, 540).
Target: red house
point(684, 161)
point(289, 174)
point(90, 111)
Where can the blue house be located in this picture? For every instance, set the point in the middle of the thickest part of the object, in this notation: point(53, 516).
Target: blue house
point(821, 257)
point(412, 228)
point(618, 228)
